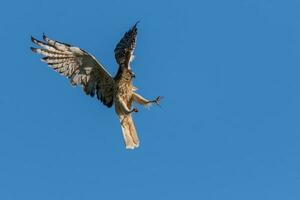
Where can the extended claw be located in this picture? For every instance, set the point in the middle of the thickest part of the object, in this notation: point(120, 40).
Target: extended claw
point(157, 100)
point(134, 110)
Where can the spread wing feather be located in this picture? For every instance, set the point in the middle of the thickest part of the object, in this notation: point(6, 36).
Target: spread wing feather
point(79, 66)
point(125, 48)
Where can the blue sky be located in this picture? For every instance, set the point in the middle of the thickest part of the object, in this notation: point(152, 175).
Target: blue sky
point(228, 127)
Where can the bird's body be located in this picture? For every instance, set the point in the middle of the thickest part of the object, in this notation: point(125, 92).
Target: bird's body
point(82, 68)
point(123, 95)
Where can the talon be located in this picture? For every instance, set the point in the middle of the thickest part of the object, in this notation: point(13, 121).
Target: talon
point(135, 110)
point(157, 100)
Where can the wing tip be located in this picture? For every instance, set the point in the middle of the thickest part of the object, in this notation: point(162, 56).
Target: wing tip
point(33, 39)
point(136, 23)
point(45, 59)
point(134, 27)
point(45, 38)
point(109, 105)
point(33, 49)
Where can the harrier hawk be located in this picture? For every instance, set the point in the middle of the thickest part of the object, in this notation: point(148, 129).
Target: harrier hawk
point(83, 68)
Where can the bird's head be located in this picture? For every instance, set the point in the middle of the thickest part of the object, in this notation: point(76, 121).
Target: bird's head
point(128, 74)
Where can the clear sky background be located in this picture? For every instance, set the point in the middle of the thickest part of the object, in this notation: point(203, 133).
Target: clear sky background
point(228, 127)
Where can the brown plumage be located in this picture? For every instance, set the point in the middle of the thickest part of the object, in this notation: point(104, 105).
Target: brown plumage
point(83, 69)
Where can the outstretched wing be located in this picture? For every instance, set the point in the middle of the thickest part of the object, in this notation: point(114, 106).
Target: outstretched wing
point(79, 66)
point(125, 48)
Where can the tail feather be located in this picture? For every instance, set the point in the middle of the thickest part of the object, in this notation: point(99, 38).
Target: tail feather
point(129, 132)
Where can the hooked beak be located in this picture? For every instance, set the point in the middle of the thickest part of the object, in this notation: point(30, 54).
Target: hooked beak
point(132, 75)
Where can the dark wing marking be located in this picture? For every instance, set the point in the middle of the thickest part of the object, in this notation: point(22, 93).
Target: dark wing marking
point(125, 48)
point(79, 66)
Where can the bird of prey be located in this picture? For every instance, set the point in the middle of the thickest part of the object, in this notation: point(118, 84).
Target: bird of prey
point(82, 68)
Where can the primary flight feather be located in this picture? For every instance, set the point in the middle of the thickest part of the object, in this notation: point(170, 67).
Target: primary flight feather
point(83, 69)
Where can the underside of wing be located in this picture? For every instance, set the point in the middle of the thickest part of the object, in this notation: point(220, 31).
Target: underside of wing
point(125, 48)
point(79, 66)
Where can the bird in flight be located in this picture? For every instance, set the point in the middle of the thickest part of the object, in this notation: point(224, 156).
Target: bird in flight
point(82, 68)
